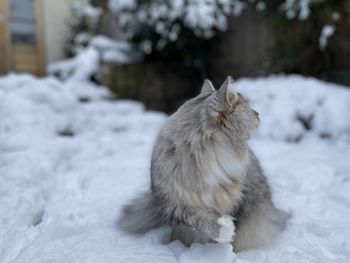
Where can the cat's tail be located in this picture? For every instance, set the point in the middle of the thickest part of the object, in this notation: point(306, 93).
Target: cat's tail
point(140, 215)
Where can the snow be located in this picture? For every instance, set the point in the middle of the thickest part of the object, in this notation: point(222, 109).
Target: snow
point(79, 68)
point(327, 32)
point(260, 6)
point(204, 18)
point(301, 8)
point(203, 253)
point(113, 51)
point(83, 11)
point(121, 4)
point(70, 157)
point(86, 64)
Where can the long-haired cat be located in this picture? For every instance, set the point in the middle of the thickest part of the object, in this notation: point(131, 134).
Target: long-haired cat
point(206, 183)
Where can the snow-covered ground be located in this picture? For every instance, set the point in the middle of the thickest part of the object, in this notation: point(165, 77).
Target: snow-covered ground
point(70, 157)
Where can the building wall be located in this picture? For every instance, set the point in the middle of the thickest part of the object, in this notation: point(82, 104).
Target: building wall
point(56, 18)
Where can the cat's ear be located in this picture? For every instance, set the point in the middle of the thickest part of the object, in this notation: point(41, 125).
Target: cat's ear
point(207, 87)
point(226, 93)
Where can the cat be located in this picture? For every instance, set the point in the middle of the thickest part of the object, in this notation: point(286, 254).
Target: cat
point(206, 183)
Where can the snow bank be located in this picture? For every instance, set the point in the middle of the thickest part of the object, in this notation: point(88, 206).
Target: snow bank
point(70, 157)
point(295, 107)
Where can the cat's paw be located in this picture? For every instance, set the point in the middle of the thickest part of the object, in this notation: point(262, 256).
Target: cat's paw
point(227, 229)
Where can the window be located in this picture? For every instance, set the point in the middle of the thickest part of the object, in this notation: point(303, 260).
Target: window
point(23, 22)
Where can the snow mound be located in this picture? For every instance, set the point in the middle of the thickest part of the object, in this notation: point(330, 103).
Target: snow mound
point(294, 107)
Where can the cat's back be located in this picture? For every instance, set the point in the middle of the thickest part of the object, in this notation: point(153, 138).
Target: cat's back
point(179, 135)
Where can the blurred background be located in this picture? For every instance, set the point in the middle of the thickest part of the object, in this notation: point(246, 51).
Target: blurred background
point(160, 51)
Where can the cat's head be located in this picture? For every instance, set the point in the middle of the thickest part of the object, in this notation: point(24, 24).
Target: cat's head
point(223, 112)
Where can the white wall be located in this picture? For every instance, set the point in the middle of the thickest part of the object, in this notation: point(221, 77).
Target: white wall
point(56, 18)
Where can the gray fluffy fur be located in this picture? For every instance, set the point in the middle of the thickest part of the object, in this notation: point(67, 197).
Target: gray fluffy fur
point(203, 169)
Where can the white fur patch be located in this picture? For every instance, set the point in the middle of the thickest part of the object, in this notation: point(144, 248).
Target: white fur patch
point(227, 230)
point(221, 163)
point(227, 162)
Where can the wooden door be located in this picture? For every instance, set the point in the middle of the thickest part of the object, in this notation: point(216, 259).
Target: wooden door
point(21, 36)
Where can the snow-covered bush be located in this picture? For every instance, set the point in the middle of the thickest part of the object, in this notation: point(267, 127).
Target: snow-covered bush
point(188, 32)
point(323, 11)
point(115, 51)
point(82, 67)
point(176, 30)
point(168, 18)
point(298, 8)
point(82, 26)
point(85, 65)
point(320, 41)
point(86, 50)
